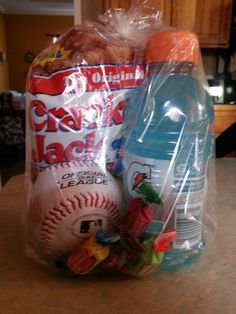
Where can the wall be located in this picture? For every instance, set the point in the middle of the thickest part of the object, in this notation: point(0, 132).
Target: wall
point(4, 79)
point(28, 33)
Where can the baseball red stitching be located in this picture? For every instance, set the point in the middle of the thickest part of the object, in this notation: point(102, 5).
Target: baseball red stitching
point(51, 220)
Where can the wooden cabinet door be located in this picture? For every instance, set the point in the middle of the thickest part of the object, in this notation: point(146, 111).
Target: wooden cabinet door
point(209, 19)
point(225, 116)
point(183, 14)
point(113, 4)
point(212, 23)
point(163, 5)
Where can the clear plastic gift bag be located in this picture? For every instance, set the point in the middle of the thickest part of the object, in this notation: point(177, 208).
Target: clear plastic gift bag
point(119, 148)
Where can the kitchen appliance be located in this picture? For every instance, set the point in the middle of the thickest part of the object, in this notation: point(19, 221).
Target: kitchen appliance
point(222, 90)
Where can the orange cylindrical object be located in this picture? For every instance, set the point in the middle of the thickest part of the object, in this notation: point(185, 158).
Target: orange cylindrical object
point(172, 46)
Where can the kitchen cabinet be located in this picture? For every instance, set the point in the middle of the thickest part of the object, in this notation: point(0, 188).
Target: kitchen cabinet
point(212, 22)
point(209, 19)
point(225, 115)
point(112, 4)
point(163, 5)
point(87, 10)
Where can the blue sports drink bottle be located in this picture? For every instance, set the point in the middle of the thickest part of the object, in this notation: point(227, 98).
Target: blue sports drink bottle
point(168, 143)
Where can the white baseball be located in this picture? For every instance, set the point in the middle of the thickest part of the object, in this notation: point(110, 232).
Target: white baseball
point(70, 201)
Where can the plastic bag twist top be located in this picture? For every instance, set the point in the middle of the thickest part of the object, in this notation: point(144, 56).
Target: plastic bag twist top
point(130, 27)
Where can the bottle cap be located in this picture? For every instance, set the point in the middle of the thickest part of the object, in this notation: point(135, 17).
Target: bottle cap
point(171, 46)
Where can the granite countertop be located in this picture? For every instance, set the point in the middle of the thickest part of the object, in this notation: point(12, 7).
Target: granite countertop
point(209, 287)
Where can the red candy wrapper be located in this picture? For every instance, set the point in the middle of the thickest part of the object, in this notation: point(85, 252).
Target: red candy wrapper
point(138, 217)
point(88, 256)
point(161, 243)
point(81, 262)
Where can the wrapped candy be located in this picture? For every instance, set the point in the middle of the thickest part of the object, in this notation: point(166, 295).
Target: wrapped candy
point(88, 256)
point(138, 217)
point(146, 263)
point(161, 243)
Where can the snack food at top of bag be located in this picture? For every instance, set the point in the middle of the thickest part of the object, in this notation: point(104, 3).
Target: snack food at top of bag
point(82, 46)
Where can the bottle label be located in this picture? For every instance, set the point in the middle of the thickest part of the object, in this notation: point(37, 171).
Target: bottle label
point(157, 172)
point(182, 189)
point(190, 192)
